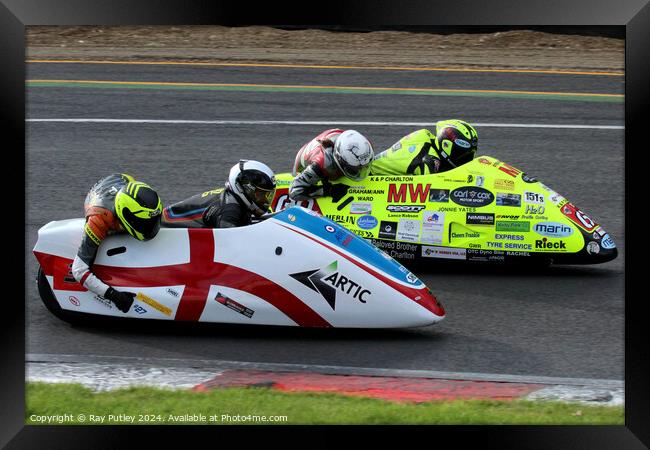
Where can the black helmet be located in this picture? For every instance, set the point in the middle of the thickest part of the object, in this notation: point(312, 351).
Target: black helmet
point(456, 142)
point(254, 184)
point(139, 209)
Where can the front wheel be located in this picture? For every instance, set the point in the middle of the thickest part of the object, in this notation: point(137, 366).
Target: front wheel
point(51, 303)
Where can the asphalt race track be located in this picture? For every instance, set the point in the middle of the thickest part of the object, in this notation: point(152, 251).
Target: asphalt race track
point(564, 321)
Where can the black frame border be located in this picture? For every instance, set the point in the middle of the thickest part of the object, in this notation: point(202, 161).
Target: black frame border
point(633, 15)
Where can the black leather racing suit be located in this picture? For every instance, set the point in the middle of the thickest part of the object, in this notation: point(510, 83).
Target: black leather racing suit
point(217, 208)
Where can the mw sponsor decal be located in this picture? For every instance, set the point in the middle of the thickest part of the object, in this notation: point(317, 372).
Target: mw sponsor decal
point(408, 193)
point(472, 196)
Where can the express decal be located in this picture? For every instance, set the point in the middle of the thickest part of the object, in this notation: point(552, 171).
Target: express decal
point(472, 196)
point(327, 281)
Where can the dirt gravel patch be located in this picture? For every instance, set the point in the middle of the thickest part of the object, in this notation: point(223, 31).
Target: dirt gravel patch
point(256, 44)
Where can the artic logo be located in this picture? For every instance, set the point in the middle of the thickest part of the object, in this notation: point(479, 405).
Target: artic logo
point(326, 281)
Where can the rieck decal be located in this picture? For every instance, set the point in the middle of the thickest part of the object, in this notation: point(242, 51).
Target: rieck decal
point(479, 219)
point(593, 248)
point(545, 244)
point(553, 229)
point(387, 229)
point(405, 208)
point(508, 199)
point(472, 196)
point(507, 225)
point(327, 281)
point(439, 195)
point(235, 306)
point(367, 222)
point(443, 252)
point(607, 242)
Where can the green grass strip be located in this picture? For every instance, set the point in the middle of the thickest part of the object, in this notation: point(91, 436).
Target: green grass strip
point(332, 90)
point(166, 406)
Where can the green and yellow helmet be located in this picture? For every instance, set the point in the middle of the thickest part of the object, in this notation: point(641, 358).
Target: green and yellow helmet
point(456, 141)
point(139, 209)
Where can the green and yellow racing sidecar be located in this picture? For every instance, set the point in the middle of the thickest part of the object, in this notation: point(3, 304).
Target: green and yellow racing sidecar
point(485, 210)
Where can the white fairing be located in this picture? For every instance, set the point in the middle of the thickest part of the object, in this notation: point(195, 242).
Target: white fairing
point(249, 268)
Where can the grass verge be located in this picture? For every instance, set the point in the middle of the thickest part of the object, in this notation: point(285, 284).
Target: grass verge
point(76, 404)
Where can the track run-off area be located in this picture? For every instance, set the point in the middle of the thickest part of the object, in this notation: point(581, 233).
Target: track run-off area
point(181, 126)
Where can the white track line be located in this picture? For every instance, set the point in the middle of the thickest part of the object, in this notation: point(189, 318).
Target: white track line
point(324, 123)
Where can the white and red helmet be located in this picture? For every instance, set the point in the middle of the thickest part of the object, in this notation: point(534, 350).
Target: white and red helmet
point(353, 154)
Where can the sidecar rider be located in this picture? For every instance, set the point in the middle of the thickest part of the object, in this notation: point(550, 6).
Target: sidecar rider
point(329, 156)
point(248, 192)
point(115, 204)
point(452, 144)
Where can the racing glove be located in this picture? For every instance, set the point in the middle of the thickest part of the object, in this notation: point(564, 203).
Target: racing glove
point(337, 191)
point(123, 300)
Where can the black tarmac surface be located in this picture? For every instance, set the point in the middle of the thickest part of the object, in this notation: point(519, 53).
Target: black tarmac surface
point(565, 321)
